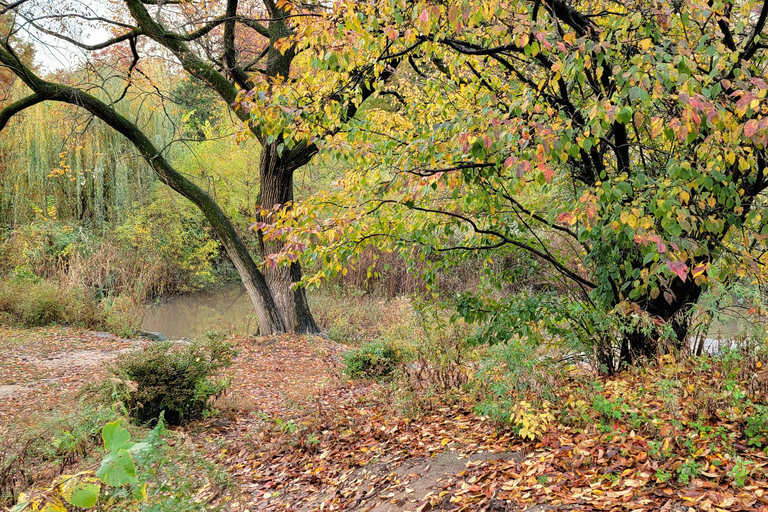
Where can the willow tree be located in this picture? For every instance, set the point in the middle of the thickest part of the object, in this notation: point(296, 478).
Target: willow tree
point(241, 51)
point(622, 144)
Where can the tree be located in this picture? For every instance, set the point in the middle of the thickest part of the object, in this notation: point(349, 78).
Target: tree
point(239, 50)
point(621, 144)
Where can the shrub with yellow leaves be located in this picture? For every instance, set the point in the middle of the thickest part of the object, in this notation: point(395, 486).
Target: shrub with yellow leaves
point(532, 422)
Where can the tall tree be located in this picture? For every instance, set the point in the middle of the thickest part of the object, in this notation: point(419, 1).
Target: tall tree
point(240, 50)
point(622, 144)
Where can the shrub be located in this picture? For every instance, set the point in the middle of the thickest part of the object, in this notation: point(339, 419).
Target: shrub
point(177, 379)
point(374, 360)
point(35, 304)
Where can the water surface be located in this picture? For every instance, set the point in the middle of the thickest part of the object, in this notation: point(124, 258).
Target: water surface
point(191, 315)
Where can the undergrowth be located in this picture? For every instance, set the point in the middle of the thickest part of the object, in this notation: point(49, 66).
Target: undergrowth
point(36, 303)
point(169, 378)
point(168, 477)
point(693, 413)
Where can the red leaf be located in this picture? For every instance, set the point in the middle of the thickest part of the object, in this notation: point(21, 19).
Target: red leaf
point(524, 168)
point(548, 173)
point(679, 268)
point(750, 129)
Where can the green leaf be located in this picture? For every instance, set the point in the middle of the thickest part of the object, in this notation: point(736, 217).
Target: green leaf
point(625, 115)
point(117, 469)
point(115, 436)
point(637, 94)
point(81, 492)
point(139, 447)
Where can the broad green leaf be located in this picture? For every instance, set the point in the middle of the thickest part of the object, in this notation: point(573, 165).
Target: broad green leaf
point(117, 469)
point(139, 447)
point(625, 115)
point(81, 491)
point(115, 436)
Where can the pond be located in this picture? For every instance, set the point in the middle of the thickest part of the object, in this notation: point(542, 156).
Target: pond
point(191, 315)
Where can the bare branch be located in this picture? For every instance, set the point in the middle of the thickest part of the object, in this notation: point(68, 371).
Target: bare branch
point(10, 7)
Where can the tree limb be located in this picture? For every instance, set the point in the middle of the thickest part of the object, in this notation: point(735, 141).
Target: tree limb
point(14, 108)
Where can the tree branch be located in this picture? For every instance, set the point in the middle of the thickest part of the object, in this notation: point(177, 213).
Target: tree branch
point(14, 108)
point(230, 60)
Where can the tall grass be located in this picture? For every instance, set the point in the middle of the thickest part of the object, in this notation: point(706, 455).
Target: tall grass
point(25, 303)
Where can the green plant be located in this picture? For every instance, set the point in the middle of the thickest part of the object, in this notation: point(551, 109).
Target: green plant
point(612, 410)
point(374, 360)
point(756, 430)
point(687, 471)
point(82, 490)
point(662, 476)
point(40, 303)
point(740, 472)
point(172, 378)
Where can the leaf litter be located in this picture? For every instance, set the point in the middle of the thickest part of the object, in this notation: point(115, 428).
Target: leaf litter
point(295, 435)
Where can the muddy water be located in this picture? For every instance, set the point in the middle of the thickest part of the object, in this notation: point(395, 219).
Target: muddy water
point(193, 314)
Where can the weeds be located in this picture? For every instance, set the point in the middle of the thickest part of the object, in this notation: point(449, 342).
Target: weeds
point(740, 472)
point(149, 475)
point(40, 303)
point(374, 360)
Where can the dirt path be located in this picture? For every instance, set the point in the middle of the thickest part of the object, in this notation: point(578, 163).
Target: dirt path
point(40, 369)
point(296, 436)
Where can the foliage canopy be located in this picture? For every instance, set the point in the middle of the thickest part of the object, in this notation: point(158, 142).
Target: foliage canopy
point(623, 145)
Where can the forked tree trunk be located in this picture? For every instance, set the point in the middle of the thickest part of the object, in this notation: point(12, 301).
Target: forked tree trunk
point(276, 180)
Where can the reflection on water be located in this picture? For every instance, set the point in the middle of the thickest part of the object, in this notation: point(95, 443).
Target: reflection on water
point(733, 322)
point(191, 315)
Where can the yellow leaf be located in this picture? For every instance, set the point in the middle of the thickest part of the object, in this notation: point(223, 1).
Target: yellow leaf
point(41, 502)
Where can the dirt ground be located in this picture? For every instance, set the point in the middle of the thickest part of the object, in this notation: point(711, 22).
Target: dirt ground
point(282, 389)
point(40, 370)
point(295, 435)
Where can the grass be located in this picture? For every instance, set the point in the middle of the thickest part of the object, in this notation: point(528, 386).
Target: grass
point(353, 317)
point(38, 303)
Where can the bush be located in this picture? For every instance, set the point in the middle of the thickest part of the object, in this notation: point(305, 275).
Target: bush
point(36, 304)
point(374, 360)
point(177, 379)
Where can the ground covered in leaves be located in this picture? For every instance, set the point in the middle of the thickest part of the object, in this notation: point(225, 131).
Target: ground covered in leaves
point(40, 369)
point(294, 434)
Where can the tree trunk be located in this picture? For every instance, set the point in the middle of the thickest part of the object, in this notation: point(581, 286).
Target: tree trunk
point(277, 189)
point(638, 345)
point(269, 318)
